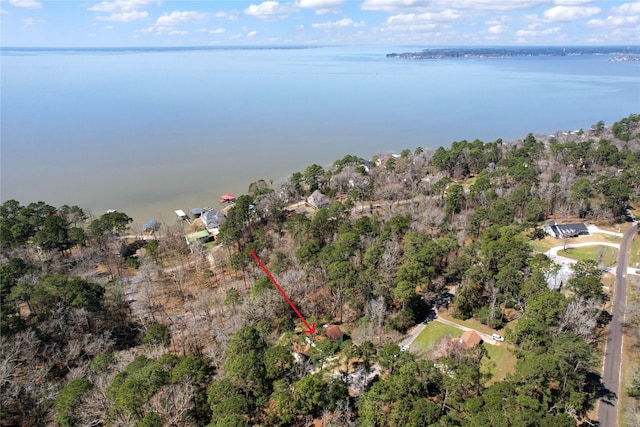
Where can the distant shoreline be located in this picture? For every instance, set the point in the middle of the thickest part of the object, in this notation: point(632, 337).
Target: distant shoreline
point(622, 53)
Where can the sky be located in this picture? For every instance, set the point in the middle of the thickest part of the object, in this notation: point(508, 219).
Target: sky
point(122, 23)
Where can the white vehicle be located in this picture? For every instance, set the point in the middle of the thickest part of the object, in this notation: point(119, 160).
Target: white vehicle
point(497, 337)
point(405, 348)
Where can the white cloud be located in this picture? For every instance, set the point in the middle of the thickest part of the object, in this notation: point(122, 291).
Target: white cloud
point(167, 23)
point(2, 11)
point(570, 13)
point(626, 9)
point(217, 31)
point(399, 6)
point(572, 2)
point(230, 16)
point(252, 33)
point(27, 4)
point(134, 15)
point(498, 20)
point(322, 7)
point(621, 26)
point(28, 22)
point(497, 29)
point(178, 33)
point(536, 31)
point(119, 6)
point(270, 10)
point(341, 23)
point(419, 22)
point(180, 18)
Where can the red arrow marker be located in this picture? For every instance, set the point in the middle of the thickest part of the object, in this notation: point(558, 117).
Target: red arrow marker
point(310, 329)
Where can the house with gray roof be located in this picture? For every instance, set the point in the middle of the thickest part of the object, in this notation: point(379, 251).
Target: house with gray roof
point(212, 220)
point(561, 231)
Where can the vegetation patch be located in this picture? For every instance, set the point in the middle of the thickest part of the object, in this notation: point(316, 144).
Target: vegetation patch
point(432, 333)
point(604, 255)
point(500, 361)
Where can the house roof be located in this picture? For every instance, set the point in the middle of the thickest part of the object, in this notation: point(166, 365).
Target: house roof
point(334, 332)
point(213, 219)
point(572, 229)
point(227, 197)
point(150, 224)
point(470, 339)
point(318, 200)
point(194, 237)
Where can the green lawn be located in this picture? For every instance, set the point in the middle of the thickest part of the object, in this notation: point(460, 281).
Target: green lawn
point(609, 254)
point(432, 333)
point(500, 360)
point(635, 252)
point(209, 245)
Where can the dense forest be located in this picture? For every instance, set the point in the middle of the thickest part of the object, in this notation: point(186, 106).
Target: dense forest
point(105, 325)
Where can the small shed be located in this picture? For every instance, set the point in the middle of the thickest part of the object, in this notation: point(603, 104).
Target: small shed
point(335, 333)
point(151, 225)
point(228, 198)
point(470, 339)
point(183, 215)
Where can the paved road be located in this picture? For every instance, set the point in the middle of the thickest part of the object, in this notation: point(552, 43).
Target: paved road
point(608, 407)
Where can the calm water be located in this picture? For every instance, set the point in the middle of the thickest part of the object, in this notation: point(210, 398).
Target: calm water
point(148, 132)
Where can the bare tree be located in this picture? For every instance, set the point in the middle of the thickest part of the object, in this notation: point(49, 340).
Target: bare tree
point(173, 403)
point(581, 318)
point(374, 310)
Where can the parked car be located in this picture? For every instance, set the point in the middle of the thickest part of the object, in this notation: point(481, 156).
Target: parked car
point(497, 337)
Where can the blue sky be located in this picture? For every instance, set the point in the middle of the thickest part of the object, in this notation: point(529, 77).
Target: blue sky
point(319, 22)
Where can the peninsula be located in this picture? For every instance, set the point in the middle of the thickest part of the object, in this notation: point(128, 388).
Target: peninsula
point(617, 53)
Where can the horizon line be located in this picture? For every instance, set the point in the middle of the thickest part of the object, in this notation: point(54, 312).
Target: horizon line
point(311, 46)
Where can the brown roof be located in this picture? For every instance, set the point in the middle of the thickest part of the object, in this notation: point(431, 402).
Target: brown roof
point(334, 332)
point(470, 339)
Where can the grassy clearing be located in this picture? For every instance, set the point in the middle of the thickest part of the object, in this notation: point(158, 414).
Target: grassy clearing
point(630, 359)
point(609, 255)
point(545, 244)
point(210, 245)
point(500, 361)
point(635, 252)
point(469, 323)
point(433, 332)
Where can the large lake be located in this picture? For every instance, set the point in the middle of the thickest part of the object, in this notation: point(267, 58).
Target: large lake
point(150, 131)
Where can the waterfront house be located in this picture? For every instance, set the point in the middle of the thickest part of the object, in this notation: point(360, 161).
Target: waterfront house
point(212, 220)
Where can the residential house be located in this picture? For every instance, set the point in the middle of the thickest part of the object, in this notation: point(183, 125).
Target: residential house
point(318, 200)
point(561, 231)
point(470, 339)
point(212, 220)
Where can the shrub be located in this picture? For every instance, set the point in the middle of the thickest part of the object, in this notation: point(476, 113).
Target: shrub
point(157, 334)
point(68, 399)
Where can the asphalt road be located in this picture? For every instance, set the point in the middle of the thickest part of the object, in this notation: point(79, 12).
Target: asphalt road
point(609, 403)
